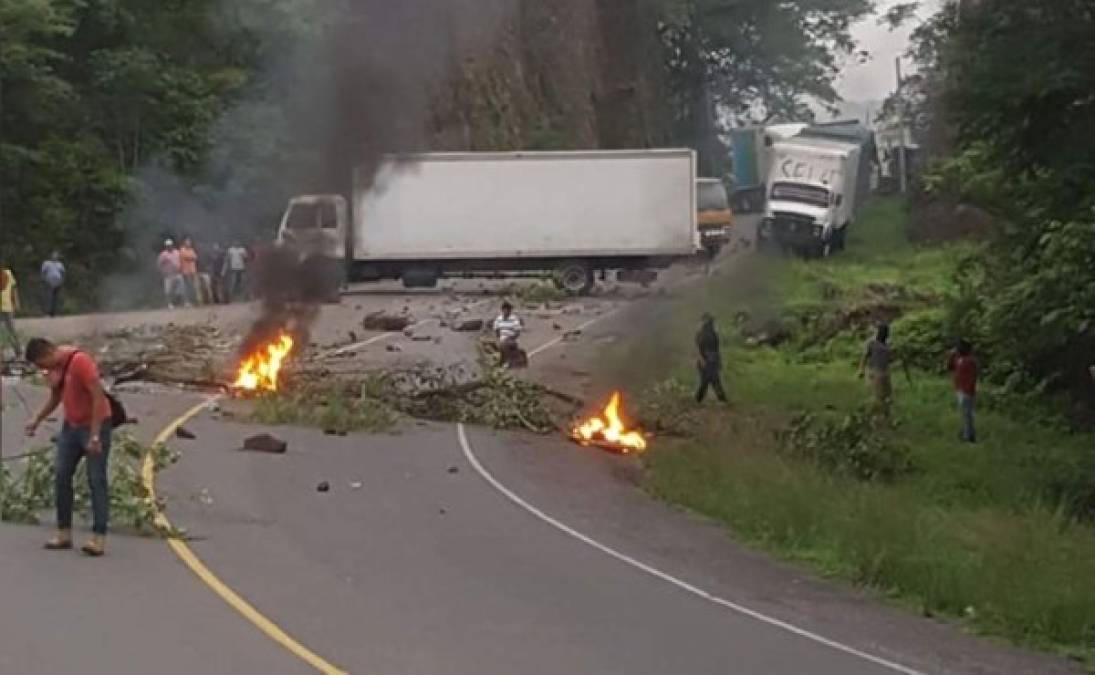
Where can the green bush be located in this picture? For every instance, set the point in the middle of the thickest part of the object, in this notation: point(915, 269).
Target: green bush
point(668, 407)
point(922, 339)
point(849, 446)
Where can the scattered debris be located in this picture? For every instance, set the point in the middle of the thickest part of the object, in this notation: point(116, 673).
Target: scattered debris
point(265, 443)
point(323, 487)
point(468, 325)
point(184, 433)
point(769, 332)
point(193, 355)
point(387, 323)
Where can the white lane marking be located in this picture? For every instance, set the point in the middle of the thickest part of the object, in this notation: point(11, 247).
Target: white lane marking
point(607, 550)
point(653, 571)
point(691, 278)
point(345, 349)
point(551, 343)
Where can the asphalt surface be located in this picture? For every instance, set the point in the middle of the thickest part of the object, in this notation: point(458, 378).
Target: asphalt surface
point(412, 562)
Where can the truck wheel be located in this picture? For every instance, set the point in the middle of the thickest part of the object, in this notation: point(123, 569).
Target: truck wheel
point(842, 238)
point(575, 277)
point(419, 278)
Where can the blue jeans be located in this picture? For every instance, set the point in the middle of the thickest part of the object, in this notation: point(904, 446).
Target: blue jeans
point(71, 448)
point(965, 408)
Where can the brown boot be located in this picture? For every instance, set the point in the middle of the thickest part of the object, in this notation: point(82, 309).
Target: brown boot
point(62, 541)
point(95, 546)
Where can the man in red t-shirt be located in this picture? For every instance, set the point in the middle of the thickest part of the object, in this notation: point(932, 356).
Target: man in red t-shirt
point(74, 382)
point(964, 369)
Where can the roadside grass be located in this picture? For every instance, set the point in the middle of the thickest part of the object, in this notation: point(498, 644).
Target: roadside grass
point(990, 533)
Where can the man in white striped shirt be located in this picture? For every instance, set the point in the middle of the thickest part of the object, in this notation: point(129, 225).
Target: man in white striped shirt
point(507, 328)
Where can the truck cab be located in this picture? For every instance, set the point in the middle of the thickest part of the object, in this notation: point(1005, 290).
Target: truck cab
point(713, 216)
point(316, 224)
point(811, 195)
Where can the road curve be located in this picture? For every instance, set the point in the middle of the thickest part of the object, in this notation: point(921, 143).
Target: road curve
point(424, 569)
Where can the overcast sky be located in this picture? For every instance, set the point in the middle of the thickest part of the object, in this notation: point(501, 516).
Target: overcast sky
point(873, 80)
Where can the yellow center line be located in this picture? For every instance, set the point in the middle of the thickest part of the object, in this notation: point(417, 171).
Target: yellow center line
point(191, 560)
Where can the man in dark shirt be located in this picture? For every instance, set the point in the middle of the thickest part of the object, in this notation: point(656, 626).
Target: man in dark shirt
point(709, 363)
point(964, 369)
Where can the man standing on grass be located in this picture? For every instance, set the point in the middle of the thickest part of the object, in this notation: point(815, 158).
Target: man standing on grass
point(53, 277)
point(963, 367)
point(876, 365)
point(709, 363)
point(9, 305)
point(86, 432)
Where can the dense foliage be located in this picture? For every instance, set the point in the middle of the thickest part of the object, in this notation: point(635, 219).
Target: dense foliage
point(1006, 101)
point(123, 121)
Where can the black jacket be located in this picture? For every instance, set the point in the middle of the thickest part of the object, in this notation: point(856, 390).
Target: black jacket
point(707, 342)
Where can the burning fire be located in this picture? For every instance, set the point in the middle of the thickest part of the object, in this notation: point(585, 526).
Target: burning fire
point(259, 370)
point(609, 430)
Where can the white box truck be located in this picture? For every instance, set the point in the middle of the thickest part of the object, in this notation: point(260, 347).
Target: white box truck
point(812, 199)
point(568, 215)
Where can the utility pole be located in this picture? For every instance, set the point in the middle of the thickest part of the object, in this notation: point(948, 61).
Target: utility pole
point(903, 169)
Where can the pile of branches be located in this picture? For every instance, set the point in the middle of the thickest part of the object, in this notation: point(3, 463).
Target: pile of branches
point(497, 398)
point(192, 355)
point(493, 397)
point(27, 487)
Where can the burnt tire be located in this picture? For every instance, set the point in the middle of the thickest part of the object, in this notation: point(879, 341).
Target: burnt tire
point(573, 277)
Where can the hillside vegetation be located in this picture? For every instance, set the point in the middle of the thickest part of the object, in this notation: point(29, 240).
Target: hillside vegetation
point(124, 121)
point(1000, 534)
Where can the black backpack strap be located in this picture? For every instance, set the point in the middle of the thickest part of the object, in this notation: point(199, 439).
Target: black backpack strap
point(64, 370)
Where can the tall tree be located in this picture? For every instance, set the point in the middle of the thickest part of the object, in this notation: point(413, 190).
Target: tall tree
point(753, 59)
point(1011, 87)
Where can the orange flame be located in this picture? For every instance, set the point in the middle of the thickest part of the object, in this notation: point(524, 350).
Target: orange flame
point(259, 370)
point(609, 430)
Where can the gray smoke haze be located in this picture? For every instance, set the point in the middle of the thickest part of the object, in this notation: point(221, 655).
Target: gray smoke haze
point(352, 81)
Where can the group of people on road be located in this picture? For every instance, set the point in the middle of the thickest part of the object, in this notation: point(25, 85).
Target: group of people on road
point(214, 276)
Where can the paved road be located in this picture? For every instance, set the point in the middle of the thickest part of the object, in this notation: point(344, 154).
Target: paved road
point(426, 568)
point(414, 563)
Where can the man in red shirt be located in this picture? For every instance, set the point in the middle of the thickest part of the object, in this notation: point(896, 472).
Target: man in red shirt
point(74, 380)
point(964, 369)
